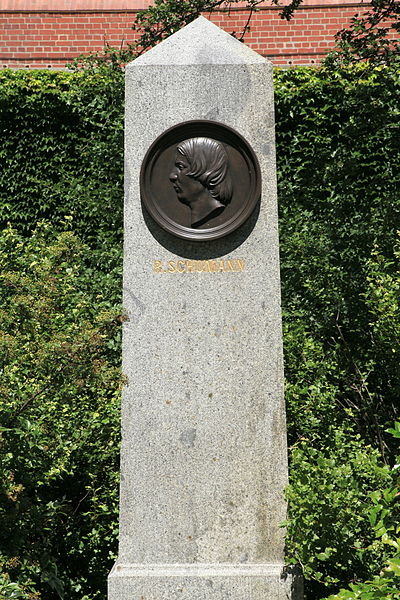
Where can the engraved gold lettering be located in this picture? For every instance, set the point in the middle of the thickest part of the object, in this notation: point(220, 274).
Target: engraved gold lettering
point(200, 266)
point(157, 267)
point(240, 264)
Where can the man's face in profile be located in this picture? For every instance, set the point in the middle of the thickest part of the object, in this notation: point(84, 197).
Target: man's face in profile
point(200, 178)
point(187, 188)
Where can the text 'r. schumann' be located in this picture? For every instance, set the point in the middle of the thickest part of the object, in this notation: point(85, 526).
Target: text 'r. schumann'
point(199, 266)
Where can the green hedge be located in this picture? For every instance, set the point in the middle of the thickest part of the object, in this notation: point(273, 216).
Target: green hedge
point(62, 161)
point(61, 155)
point(59, 407)
point(339, 194)
point(338, 151)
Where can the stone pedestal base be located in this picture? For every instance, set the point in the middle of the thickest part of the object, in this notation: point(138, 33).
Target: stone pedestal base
point(202, 582)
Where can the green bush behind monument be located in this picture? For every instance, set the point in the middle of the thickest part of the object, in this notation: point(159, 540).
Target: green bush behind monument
point(62, 170)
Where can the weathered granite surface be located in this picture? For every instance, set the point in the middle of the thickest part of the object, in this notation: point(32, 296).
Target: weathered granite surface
point(203, 462)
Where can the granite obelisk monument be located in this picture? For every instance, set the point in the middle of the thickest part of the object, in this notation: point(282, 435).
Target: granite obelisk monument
point(203, 459)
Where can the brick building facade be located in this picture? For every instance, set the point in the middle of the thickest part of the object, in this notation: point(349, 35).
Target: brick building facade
point(50, 33)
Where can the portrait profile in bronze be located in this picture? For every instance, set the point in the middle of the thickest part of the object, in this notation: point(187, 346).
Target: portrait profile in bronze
point(201, 179)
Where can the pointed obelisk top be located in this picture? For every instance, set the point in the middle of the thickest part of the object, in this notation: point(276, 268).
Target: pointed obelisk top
point(200, 42)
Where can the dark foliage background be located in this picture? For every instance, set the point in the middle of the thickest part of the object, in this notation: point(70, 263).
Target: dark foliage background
point(61, 157)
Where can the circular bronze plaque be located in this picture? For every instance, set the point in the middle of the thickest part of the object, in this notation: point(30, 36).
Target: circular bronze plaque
point(200, 180)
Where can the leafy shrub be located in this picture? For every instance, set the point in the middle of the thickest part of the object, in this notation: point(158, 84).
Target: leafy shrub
point(330, 497)
point(59, 406)
point(384, 519)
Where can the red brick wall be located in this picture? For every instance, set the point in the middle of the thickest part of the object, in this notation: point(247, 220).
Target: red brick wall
point(49, 33)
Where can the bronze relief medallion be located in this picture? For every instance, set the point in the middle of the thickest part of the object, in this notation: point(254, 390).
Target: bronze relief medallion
point(200, 180)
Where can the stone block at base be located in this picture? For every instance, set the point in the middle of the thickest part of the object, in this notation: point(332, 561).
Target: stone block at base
point(203, 581)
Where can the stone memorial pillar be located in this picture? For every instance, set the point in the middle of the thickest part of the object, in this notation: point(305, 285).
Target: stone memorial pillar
point(203, 463)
